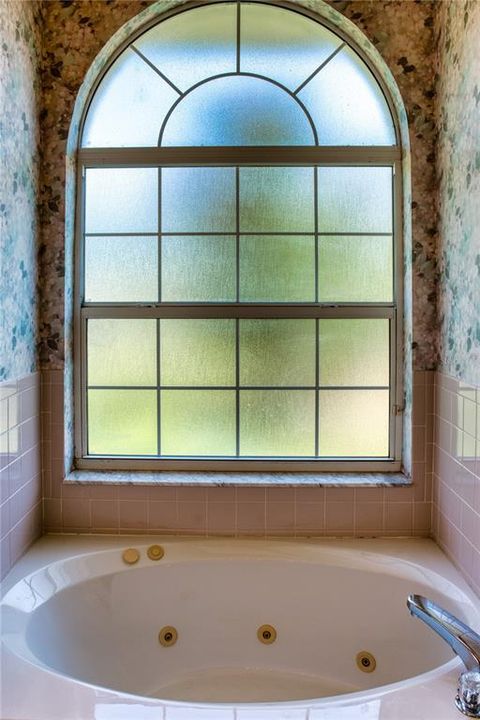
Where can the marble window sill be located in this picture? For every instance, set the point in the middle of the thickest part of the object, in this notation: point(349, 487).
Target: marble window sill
point(251, 479)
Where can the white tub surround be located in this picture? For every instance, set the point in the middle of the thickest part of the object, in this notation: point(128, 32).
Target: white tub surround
point(81, 630)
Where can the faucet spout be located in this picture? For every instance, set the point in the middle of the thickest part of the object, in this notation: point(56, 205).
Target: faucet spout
point(461, 638)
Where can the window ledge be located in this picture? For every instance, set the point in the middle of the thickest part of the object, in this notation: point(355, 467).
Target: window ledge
point(250, 479)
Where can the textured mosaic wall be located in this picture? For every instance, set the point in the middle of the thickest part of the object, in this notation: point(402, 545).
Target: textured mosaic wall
point(20, 27)
point(76, 31)
point(459, 189)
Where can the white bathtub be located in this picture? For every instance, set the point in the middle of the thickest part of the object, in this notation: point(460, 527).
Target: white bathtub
point(81, 634)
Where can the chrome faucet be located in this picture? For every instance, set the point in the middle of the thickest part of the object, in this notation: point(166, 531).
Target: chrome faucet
point(463, 641)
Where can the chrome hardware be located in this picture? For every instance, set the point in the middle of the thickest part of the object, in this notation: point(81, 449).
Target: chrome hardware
point(464, 641)
point(468, 693)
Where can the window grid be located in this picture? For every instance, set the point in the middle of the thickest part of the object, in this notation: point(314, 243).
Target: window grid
point(148, 157)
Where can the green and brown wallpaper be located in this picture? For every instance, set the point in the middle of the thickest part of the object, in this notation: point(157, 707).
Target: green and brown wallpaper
point(458, 163)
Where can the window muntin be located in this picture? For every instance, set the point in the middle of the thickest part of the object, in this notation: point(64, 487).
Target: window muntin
point(214, 283)
point(222, 74)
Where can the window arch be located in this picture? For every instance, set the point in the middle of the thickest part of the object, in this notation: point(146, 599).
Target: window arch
point(239, 250)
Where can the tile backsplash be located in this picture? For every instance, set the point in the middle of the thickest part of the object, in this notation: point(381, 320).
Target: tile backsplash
point(236, 511)
point(456, 465)
point(20, 470)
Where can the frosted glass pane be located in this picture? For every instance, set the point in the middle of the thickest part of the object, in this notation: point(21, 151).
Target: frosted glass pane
point(121, 200)
point(129, 106)
point(276, 199)
point(198, 269)
point(355, 269)
point(198, 199)
point(354, 352)
point(277, 422)
point(121, 269)
point(347, 105)
point(193, 45)
point(238, 111)
point(283, 45)
point(122, 352)
point(277, 269)
point(197, 352)
point(277, 352)
point(198, 422)
point(355, 199)
point(122, 422)
point(354, 423)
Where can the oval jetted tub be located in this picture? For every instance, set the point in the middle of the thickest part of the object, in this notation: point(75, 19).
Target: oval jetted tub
point(233, 622)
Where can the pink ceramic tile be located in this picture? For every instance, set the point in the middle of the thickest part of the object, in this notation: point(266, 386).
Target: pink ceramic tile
point(191, 494)
point(4, 557)
point(370, 494)
point(369, 516)
point(133, 514)
point(339, 516)
point(399, 494)
point(251, 494)
point(339, 494)
point(310, 494)
point(419, 407)
point(280, 516)
point(309, 516)
point(5, 515)
point(132, 492)
point(280, 494)
point(163, 515)
point(418, 444)
point(221, 494)
point(422, 512)
point(105, 514)
point(221, 518)
point(399, 517)
point(157, 492)
point(76, 514)
point(192, 516)
point(251, 517)
point(52, 513)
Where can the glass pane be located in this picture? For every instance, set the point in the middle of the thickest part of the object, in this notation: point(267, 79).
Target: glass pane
point(198, 200)
point(121, 200)
point(122, 352)
point(198, 269)
point(354, 352)
point(130, 83)
point(277, 422)
point(122, 422)
point(355, 199)
point(277, 352)
point(347, 105)
point(277, 269)
point(354, 423)
point(121, 269)
point(276, 199)
point(282, 45)
point(198, 422)
point(193, 45)
point(355, 269)
point(197, 352)
point(238, 110)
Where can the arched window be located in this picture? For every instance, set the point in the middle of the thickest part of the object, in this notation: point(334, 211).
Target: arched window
point(239, 250)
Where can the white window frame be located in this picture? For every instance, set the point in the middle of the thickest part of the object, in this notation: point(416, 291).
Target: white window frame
point(351, 156)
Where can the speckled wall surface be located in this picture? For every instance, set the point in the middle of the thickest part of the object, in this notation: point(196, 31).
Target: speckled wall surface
point(75, 31)
point(20, 32)
point(459, 189)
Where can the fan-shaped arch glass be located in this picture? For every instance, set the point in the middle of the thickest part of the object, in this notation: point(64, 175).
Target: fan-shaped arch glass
point(306, 64)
